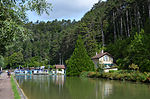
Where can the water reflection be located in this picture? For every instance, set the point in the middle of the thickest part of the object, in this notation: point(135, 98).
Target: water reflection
point(59, 79)
point(103, 90)
point(61, 87)
point(108, 89)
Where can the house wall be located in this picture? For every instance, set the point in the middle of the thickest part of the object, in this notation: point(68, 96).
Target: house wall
point(53, 71)
point(35, 72)
point(60, 72)
point(106, 60)
point(103, 60)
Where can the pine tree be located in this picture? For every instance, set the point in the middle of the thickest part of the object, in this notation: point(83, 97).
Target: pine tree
point(79, 61)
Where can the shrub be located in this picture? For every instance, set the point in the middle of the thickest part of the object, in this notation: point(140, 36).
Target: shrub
point(133, 67)
point(84, 74)
point(142, 77)
point(112, 71)
point(100, 68)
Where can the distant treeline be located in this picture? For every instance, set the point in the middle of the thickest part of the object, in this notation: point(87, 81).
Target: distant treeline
point(120, 27)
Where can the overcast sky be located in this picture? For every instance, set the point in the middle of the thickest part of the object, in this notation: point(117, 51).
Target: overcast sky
point(64, 9)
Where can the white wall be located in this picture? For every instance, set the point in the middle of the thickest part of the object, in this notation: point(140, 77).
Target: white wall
point(35, 71)
point(109, 61)
point(1, 69)
point(60, 72)
point(107, 70)
point(26, 71)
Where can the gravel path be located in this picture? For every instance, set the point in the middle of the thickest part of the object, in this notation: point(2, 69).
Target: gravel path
point(5, 87)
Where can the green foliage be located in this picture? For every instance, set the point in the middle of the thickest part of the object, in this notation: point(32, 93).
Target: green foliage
point(13, 17)
point(84, 74)
point(138, 50)
point(33, 62)
point(121, 22)
point(119, 52)
point(94, 74)
point(79, 60)
point(133, 67)
point(132, 50)
point(100, 68)
point(122, 75)
point(15, 59)
point(90, 74)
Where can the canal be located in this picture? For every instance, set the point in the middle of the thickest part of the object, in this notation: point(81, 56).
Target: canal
point(61, 87)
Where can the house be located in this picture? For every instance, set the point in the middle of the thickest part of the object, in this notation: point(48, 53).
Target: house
point(103, 58)
point(60, 69)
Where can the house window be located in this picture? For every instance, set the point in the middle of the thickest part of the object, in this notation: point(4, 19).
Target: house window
point(59, 69)
point(105, 58)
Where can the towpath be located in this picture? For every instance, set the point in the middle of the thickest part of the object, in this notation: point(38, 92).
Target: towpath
point(5, 87)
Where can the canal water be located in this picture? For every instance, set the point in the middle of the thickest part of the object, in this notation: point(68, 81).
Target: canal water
point(61, 87)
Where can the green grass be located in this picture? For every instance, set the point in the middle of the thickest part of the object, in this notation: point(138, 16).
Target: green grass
point(14, 88)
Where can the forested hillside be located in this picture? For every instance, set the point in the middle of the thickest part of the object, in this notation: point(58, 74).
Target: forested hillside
point(120, 27)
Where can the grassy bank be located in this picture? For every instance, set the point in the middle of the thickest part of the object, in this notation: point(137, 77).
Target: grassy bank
point(14, 88)
point(127, 75)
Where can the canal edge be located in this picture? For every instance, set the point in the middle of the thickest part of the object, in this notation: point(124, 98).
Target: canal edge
point(21, 92)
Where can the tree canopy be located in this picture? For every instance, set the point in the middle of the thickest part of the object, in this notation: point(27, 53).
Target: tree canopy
point(13, 18)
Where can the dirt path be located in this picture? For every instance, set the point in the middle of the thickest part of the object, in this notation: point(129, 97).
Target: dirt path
point(5, 87)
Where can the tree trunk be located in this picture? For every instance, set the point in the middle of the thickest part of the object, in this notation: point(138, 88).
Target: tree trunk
point(127, 17)
point(125, 30)
point(103, 39)
point(138, 22)
point(143, 19)
point(115, 36)
point(118, 32)
point(121, 26)
point(130, 20)
point(149, 8)
point(135, 17)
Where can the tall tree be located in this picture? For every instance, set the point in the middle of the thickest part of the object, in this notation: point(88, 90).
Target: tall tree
point(79, 60)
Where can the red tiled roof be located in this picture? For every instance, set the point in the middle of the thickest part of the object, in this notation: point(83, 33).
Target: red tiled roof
point(60, 66)
point(100, 55)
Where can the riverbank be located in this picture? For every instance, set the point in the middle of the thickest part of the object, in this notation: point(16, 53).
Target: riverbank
point(20, 91)
point(14, 88)
point(5, 87)
point(127, 75)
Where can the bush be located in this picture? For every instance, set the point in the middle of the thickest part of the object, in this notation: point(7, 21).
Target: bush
point(133, 67)
point(128, 75)
point(112, 71)
point(94, 74)
point(84, 74)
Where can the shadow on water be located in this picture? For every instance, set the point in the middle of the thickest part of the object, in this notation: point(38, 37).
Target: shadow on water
point(61, 87)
